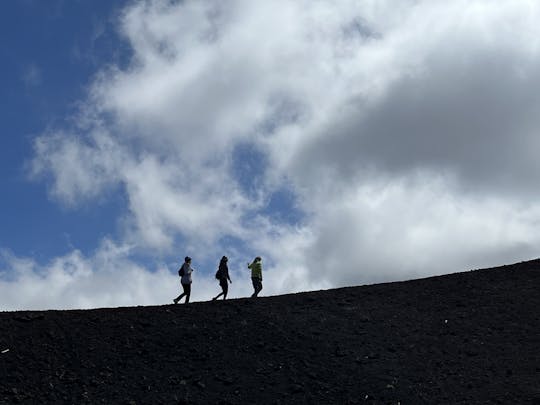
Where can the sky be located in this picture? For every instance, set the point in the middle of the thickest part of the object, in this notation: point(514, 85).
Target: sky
point(346, 143)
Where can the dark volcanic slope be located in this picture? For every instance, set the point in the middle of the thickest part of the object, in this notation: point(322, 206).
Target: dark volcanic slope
point(464, 338)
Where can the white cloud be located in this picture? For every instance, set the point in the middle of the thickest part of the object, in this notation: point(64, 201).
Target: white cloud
point(411, 228)
point(448, 87)
point(82, 166)
point(109, 278)
point(77, 281)
point(407, 133)
point(167, 197)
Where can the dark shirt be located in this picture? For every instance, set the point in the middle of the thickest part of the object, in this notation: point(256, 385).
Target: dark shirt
point(223, 271)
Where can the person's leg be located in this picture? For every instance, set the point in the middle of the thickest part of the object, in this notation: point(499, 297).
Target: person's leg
point(187, 291)
point(180, 296)
point(223, 292)
point(254, 282)
point(258, 287)
point(217, 296)
point(225, 288)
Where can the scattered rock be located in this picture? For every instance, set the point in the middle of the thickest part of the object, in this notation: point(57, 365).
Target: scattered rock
point(296, 389)
point(201, 385)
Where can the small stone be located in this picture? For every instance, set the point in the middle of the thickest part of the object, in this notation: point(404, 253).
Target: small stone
point(201, 385)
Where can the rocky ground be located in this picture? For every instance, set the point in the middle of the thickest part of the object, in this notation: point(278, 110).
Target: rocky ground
point(465, 338)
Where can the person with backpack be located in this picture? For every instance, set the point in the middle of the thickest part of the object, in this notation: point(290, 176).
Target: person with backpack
point(256, 275)
point(222, 275)
point(185, 279)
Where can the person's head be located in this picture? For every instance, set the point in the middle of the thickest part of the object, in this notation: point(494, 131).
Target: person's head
point(187, 259)
point(258, 259)
point(224, 259)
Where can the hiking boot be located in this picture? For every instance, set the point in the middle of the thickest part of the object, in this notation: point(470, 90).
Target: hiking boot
point(175, 301)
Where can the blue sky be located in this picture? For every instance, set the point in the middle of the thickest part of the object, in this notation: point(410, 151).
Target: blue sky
point(136, 132)
point(49, 51)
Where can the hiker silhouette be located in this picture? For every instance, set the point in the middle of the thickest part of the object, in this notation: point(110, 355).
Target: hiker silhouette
point(185, 279)
point(256, 275)
point(222, 275)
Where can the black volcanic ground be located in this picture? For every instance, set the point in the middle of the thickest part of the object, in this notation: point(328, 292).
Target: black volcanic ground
point(465, 338)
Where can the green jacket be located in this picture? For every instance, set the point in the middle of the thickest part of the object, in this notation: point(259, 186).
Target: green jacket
point(256, 270)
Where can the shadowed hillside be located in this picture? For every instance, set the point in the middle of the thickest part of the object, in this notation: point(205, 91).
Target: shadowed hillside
point(466, 338)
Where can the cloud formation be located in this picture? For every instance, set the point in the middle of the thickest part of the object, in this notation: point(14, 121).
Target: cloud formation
point(406, 134)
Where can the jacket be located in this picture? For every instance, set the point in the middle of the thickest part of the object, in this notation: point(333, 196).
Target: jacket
point(256, 269)
point(186, 278)
point(223, 271)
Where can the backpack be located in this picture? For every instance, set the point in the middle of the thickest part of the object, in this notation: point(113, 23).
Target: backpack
point(181, 271)
point(218, 274)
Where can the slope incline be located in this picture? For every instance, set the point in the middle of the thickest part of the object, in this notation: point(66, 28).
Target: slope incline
point(468, 338)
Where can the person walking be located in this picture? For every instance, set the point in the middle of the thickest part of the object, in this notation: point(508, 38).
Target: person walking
point(223, 275)
point(185, 278)
point(256, 275)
